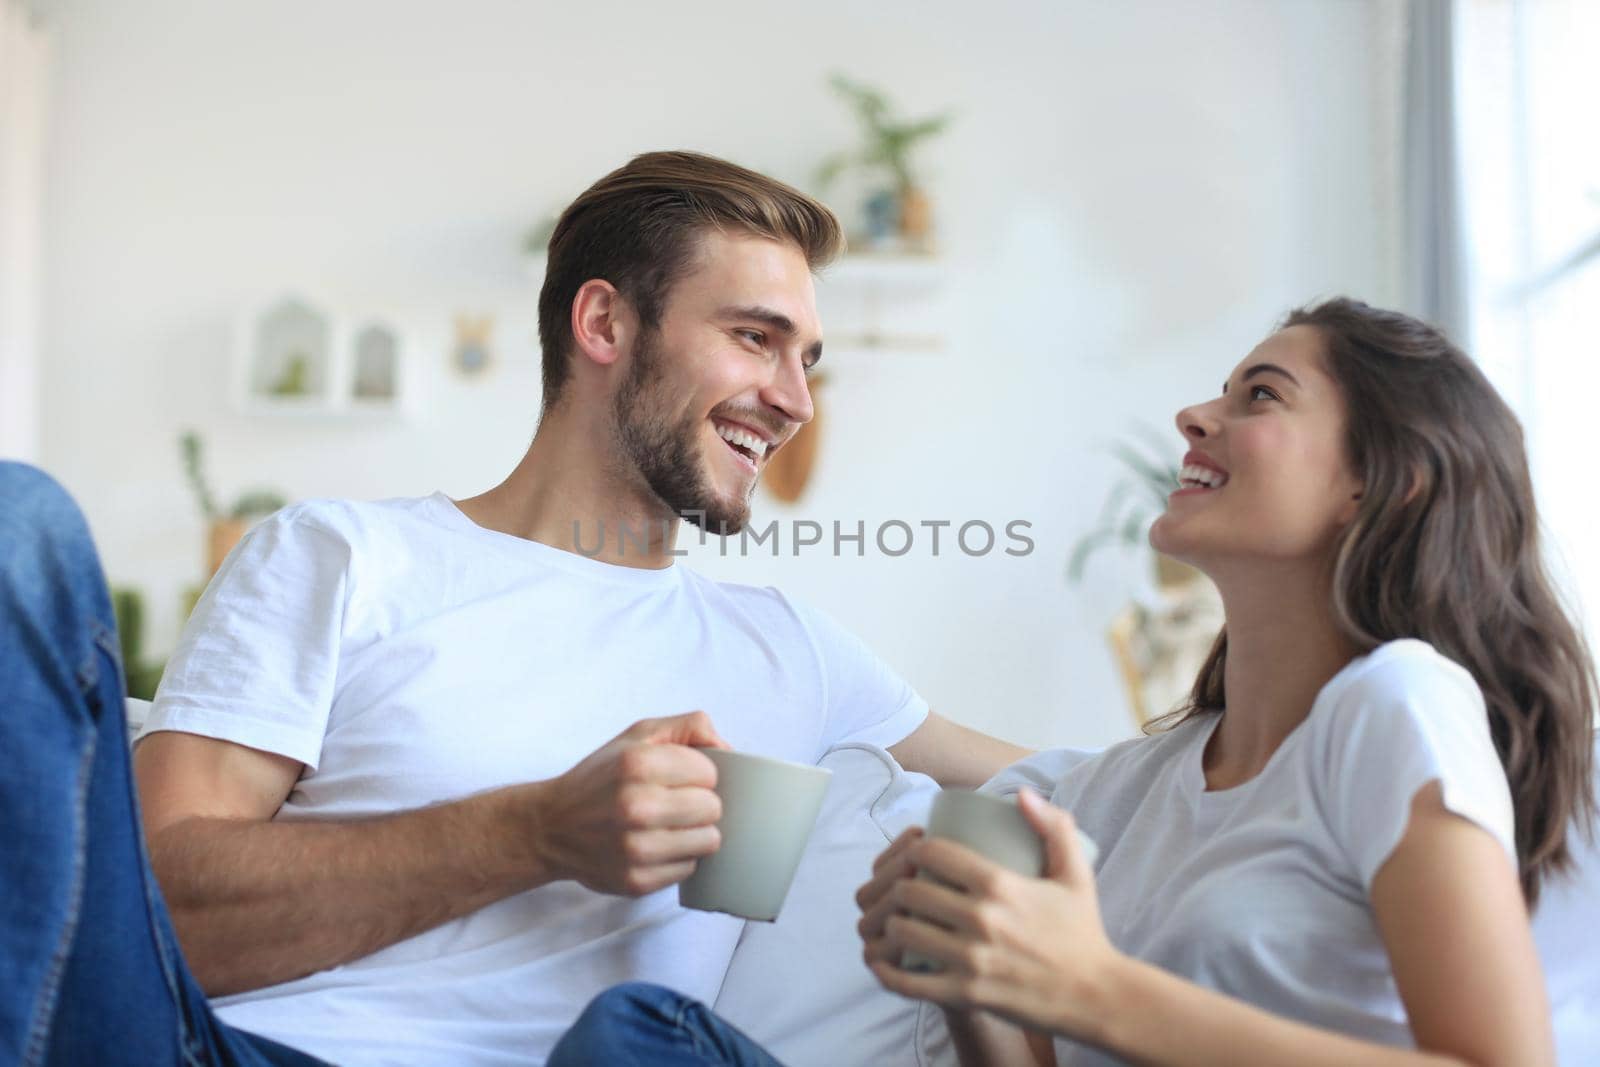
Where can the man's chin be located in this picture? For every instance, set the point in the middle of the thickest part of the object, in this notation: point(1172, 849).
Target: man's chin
point(720, 516)
point(721, 522)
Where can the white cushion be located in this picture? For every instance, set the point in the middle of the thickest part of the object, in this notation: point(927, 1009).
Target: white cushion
point(1567, 930)
point(138, 711)
point(798, 985)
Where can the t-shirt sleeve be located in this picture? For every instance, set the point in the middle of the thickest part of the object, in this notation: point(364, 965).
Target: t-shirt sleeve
point(1041, 772)
point(864, 700)
point(257, 661)
point(1411, 719)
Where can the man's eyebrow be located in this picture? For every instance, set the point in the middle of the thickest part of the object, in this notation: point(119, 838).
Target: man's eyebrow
point(1263, 368)
point(775, 319)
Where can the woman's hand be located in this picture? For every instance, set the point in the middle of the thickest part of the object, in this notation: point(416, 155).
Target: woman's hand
point(1032, 950)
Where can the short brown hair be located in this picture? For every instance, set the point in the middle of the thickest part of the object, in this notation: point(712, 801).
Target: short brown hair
point(637, 229)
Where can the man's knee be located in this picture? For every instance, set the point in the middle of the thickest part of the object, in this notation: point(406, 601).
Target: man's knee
point(36, 512)
point(638, 1001)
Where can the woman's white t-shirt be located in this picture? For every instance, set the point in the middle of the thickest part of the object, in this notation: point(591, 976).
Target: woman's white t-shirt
point(1262, 891)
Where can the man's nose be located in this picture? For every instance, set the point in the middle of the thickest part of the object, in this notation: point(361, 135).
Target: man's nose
point(790, 392)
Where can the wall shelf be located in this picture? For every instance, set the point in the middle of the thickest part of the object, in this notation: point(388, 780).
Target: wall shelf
point(883, 302)
point(297, 357)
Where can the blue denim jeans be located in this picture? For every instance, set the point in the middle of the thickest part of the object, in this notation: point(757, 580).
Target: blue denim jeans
point(640, 1023)
point(90, 971)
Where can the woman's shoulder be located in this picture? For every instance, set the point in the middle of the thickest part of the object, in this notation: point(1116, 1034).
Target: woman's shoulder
point(1393, 720)
point(1140, 761)
point(1402, 675)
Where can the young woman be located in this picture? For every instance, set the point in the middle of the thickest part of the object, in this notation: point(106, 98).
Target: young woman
point(1329, 857)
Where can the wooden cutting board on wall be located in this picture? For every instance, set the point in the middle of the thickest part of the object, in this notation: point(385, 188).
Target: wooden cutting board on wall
point(789, 471)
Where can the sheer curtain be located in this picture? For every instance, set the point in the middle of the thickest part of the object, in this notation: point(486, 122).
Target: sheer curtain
point(1528, 96)
point(24, 66)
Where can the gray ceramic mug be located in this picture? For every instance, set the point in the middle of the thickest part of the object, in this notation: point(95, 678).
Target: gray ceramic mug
point(995, 828)
point(769, 807)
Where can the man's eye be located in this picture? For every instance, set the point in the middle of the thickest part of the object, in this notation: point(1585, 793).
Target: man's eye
point(753, 336)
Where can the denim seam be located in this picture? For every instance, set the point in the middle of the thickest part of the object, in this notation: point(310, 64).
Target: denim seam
point(710, 1054)
point(193, 1049)
point(44, 1006)
point(681, 1025)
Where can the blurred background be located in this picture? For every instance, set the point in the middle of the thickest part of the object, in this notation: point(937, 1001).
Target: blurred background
point(309, 236)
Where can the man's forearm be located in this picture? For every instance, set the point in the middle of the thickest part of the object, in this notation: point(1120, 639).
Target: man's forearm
point(955, 755)
point(257, 903)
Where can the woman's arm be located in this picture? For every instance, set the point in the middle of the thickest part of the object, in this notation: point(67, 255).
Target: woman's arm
point(1033, 950)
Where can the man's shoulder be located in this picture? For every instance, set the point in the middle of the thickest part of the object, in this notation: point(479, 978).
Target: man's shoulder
point(353, 522)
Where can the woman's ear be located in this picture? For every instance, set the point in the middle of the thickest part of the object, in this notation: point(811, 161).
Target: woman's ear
point(602, 322)
point(1352, 508)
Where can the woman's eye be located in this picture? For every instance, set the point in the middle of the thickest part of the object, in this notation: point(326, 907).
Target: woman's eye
point(1258, 391)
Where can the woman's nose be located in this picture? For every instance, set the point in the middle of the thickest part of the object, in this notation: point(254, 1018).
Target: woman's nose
point(1196, 422)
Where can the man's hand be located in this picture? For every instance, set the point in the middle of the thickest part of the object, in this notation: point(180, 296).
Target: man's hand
point(634, 816)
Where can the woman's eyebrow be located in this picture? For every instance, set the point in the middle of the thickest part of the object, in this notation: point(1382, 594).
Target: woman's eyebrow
point(1269, 368)
point(1263, 368)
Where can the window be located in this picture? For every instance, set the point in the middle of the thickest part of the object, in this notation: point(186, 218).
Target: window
point(1528, 85)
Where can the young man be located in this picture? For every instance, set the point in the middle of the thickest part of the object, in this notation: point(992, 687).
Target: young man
point(400, 784)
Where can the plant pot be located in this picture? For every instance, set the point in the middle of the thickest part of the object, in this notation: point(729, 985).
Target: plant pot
point(916, 216)
point(220, 539)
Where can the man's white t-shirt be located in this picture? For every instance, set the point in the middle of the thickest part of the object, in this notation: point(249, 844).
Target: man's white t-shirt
point(1262, 891)
point(408, 656)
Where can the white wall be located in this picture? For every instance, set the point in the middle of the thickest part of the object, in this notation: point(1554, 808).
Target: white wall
point(24, 78)
point(1131, 194)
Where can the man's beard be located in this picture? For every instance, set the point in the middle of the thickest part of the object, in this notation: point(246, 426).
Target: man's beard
point(666, 454)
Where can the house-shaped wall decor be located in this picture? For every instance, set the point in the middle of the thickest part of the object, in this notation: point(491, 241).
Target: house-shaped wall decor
point(298, 357)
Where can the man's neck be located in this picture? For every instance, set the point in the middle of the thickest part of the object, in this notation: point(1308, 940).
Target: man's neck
point(569, 493)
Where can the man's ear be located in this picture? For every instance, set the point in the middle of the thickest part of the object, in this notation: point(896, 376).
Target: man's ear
point(602, 322)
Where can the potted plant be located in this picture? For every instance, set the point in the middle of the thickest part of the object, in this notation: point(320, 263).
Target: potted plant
point(1133, 503)
point(140, 676)
point(224, 528)
point(1158, 642)
point(902, 209)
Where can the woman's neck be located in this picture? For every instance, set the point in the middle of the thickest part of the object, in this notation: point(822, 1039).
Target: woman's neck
point(1283, 647)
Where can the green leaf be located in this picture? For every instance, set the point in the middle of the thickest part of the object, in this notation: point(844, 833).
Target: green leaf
point(1150, 473)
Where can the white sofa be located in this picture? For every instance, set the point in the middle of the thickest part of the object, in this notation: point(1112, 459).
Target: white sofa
point(798, 985)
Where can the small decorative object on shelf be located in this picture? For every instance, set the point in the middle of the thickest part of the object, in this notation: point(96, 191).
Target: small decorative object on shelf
point(223, 529)
point(296, 357)
point(474, 347)
point(292, 345)
point(377, 363)
point(899, 215)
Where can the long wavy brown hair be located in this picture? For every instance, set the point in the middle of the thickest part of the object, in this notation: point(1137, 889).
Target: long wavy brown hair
point(1445, 548)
